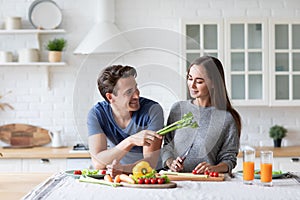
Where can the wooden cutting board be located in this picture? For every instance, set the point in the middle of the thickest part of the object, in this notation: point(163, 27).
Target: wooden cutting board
point(153, 186)
point(24, 135)
point(176, 176)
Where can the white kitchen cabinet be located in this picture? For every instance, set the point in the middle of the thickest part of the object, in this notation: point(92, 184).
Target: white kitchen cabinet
point(246, 61)
point(285, 62)
point(286, 164)
point(10, 165)
point(43, 165)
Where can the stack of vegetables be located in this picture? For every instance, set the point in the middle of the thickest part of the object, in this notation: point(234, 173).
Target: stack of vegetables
point(142, 173)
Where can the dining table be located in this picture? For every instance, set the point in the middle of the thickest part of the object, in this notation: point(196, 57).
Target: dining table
point(65, 186)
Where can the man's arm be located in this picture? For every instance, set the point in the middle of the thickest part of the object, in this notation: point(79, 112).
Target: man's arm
point(101, 156)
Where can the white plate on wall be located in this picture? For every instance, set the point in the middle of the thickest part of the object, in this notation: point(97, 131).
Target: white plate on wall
point(45, 14)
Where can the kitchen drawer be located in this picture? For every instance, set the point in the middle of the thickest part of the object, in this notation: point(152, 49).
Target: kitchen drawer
point(288, 164)
point(44, 165)
point(10, 165)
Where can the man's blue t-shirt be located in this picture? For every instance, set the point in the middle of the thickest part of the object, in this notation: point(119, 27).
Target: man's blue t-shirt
point(148, 117)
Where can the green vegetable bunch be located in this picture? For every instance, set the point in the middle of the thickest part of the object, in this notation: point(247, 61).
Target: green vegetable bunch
point(186, 121)
point(58, 44)
point(277, 132)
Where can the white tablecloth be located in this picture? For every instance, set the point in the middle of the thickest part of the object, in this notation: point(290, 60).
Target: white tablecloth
point(68, 188)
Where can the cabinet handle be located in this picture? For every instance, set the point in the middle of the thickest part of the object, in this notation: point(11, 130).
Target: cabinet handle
point(44, 160)
point(294, 159)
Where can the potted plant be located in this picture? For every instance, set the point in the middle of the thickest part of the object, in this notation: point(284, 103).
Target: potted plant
point(55, 48)
point(277, 133)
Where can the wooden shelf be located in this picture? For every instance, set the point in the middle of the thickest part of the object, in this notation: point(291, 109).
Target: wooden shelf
point(17, 64)
point(31, 31)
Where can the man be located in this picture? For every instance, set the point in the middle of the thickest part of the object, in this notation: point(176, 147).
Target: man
point(125, 122)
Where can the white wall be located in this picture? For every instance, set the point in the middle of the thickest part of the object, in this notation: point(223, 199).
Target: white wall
point(156, 55)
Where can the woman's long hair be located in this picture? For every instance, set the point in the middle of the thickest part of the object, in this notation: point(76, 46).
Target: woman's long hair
point(219, 96)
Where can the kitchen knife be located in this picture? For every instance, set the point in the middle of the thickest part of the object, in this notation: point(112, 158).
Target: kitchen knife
point(183, 156)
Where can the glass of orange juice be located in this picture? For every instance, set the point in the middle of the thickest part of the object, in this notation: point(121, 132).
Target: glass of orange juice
point(266, 163)
point(248, 166)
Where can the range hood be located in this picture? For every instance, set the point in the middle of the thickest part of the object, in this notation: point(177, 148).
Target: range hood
point(104, 37)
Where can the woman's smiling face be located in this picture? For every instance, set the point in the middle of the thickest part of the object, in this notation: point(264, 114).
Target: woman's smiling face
point(198, 82)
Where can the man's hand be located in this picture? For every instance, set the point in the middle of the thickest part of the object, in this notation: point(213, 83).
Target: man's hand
point(144, 138)
point(114, 168)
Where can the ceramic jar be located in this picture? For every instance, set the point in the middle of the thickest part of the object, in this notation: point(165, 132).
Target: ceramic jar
point(29, 55)
point(12, 23)
point(6, 56)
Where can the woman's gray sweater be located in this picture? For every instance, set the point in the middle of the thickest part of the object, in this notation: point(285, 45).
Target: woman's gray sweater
point(216, 139)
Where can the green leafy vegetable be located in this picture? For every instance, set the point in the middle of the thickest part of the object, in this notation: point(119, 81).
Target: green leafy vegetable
point(186, 121)
point(89, 172)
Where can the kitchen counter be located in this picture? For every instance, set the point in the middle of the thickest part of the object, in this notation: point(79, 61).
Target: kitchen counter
point(42, 152)
point(291, 151)
point(16, 185)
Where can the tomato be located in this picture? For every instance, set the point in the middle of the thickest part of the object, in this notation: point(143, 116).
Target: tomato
point(211, 174)
point(194, 171)
point(153, 180)
point(206, 173)
point(103, 172)
point(160, 180)
point(147, 181)
point(216, 174)
point(77, 172)
point(141, 181)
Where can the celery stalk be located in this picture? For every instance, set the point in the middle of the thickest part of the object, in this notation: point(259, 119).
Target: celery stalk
point(186, 121)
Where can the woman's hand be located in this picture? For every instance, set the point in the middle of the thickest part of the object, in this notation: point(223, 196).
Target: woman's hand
point(144, 138)
point(204, 166)
point(114, 168)
point(175, 165)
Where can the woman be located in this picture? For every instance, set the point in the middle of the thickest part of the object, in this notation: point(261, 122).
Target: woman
point(215, 143)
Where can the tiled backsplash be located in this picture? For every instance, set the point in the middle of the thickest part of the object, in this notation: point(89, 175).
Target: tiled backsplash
point(73, 87)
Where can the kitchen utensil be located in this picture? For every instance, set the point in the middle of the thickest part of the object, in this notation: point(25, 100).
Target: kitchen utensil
point(56, 138)
point(24, 135)
point(183, 156)
point(45, 14)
